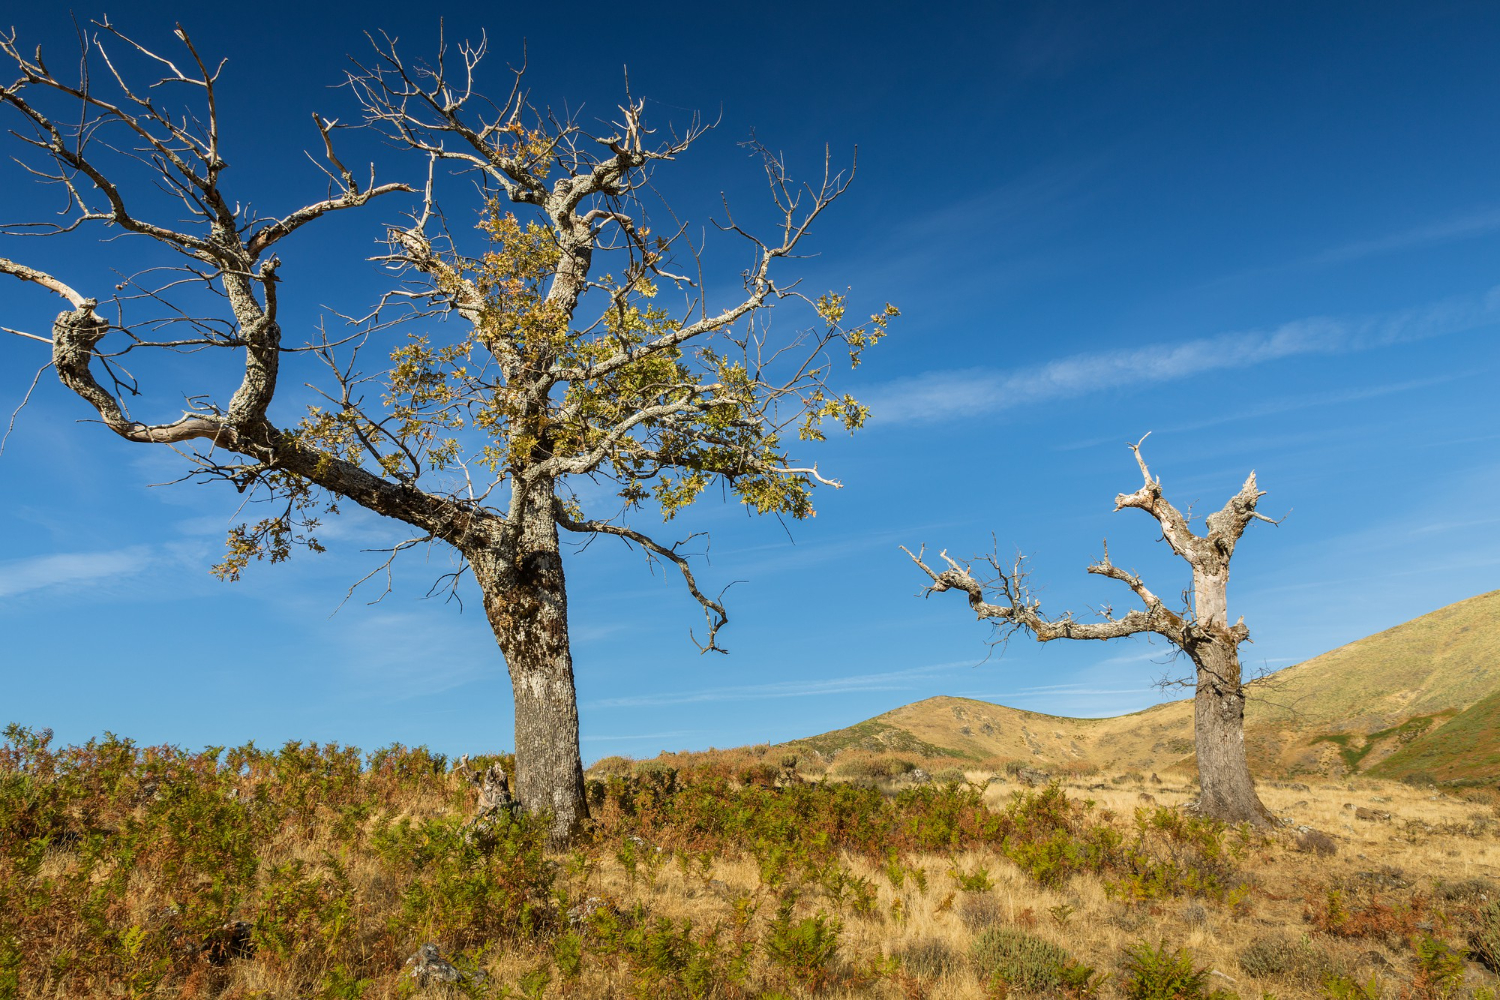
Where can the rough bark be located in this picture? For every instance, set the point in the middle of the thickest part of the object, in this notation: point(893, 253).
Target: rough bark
point(1226, 790)
point(526, 602)
point(1202, 632)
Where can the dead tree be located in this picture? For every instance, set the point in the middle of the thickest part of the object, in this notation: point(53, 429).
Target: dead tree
point(549, 353)
point(1203, 631)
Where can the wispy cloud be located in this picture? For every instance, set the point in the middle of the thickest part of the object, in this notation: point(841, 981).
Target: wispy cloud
point(951, 395)
point(1454, 525)
point(403, 655)
point(1461, 227)
point(1288, 404)
point(893, 680)
point(71, 570)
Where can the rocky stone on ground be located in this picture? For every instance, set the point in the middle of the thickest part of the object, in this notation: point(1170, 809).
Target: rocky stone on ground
point(578, 913)
point(429, 966)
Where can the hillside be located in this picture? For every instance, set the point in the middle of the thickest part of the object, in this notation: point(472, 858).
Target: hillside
point(966, 729)
point(1465, 748)
point(1348, 709)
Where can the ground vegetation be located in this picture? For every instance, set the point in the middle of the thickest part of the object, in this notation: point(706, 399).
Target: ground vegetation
point(320, 871)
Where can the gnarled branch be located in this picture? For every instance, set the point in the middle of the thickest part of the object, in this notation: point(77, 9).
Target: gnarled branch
point(713, 611)
point(1021, 611)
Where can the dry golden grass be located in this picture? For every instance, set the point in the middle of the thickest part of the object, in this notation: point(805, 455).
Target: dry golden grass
point(1431, 839)
point(1404, 862)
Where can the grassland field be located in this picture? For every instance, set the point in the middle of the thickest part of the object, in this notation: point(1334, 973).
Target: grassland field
point(320, 872)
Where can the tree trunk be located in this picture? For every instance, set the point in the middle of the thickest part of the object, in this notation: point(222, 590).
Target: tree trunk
point(526, 601)
point(1227, 791)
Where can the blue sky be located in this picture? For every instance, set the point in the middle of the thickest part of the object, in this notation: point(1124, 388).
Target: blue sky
point(1267, 233)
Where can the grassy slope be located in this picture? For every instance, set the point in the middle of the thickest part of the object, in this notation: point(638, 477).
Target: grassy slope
point(980, 731)
point(1468, 747)
point(1428, 668)
point(1446, 659)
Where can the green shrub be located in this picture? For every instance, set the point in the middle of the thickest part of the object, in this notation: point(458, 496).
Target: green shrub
point(10, 967)
point(340, 984)
point(1019, 958)
point(841, 887)
point(1440, 970)
point(977, 880)
point(1173, 854)
point(465, 891)
point(292, 910)
point(664, 957)
point(1081, 981)
point(1150, 972)
point(1053, 840)
point(1270, 955)
point(1345, 987)
point(804, 948)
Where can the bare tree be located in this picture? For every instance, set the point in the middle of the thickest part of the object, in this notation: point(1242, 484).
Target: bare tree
point(1202, 631)
point(502, 375)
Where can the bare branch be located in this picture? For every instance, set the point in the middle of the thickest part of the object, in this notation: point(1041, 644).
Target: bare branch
point(1174, 526)
point(351, 197)
point(1226, 525)
point(47, 281)
point(28, 336)
point(713, 611)
point(385, 567)
point(1024, 612)
point(11, 425)
point(1153, 603)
